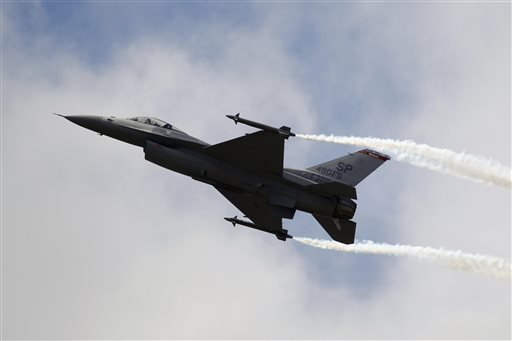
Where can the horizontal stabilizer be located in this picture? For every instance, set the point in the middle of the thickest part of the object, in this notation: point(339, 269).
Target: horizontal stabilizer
point(335, 188)
point(343, 231)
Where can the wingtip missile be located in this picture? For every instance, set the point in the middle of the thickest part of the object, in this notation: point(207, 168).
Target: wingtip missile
point(232, 220)
point(283, 131)
point(281, 235)
point(235, 118)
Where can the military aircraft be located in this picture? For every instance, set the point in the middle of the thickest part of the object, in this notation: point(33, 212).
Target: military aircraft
point(249, 172)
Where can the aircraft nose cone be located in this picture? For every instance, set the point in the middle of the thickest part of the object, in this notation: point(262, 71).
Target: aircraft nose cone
point(95, 123)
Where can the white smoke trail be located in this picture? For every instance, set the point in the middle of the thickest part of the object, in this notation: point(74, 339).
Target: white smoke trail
point(443, 160)
point(481, 264)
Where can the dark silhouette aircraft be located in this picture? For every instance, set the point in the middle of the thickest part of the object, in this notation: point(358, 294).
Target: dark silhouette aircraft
point(249, 172)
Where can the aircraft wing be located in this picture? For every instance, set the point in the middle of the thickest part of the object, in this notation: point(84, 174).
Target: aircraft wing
point(261, 151)
point(259, 211)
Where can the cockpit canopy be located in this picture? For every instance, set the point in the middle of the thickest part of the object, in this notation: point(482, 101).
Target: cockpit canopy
point(154, 122)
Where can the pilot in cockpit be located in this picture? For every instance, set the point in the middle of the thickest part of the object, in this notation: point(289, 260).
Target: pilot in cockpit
point(154, 122)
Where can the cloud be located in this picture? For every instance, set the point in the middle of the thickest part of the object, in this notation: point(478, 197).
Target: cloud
point(98, 243)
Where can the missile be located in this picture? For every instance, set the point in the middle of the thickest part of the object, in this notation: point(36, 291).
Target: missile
point(284, 130)
point(281, 235)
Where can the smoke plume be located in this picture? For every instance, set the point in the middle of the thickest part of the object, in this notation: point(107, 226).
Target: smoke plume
point(442, 160)
point(476, 263)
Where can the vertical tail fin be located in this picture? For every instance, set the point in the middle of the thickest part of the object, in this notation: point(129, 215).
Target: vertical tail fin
point(353, 168)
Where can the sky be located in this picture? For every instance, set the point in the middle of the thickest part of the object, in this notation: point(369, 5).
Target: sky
point(97, 243)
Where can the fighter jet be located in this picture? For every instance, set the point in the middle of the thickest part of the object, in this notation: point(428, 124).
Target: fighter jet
point(248, 171)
